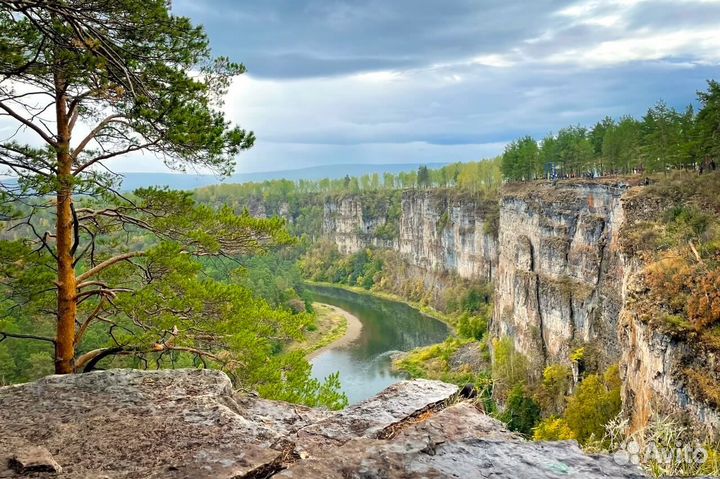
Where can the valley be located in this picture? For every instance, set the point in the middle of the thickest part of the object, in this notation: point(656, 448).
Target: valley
point(545, 273)
point(404, 239)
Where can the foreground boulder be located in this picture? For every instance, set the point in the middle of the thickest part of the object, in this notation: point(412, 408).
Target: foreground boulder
point(191, 424)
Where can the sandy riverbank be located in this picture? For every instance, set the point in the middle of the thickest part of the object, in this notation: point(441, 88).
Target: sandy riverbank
point(354, 327)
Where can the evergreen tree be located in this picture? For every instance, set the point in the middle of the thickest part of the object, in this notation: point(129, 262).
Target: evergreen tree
point(423, 177)
point(621, 145)
point(708, 125)
point(97, 275)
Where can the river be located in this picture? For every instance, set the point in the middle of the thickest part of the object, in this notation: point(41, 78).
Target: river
point(387, 327)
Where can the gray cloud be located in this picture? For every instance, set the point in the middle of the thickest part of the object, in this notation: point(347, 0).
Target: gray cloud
point(316, 38)
point(335, 81)
point(392, 81)
point(291, 38)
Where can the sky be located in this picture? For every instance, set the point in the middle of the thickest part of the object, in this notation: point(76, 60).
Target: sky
point(395, 81)
point(392, 81)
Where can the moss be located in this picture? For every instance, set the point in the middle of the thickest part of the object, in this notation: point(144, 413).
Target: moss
point(703, 387)
point(674, 325)
point(443, 221)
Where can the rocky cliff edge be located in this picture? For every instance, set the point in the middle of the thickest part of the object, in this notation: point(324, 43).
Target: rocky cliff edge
point(191, 424)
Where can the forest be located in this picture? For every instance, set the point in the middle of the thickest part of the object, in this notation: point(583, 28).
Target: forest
point(663, 139)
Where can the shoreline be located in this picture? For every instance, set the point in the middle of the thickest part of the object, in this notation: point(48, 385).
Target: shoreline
point(426, 310)
point(352, 332)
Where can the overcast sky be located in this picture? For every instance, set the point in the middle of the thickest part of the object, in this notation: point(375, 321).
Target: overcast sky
point(393, 81)
point(390, 81)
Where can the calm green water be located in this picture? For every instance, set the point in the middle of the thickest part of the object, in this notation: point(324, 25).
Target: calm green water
point(388, 327)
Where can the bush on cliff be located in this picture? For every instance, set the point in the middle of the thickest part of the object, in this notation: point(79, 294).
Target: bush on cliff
point(509, 369)
point(521, 413)
point(553, 429)
point(595, 403)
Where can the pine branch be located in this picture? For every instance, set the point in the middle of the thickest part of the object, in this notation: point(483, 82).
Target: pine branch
point(108, 263)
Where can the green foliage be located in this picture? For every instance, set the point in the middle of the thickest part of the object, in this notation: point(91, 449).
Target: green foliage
point(443, 221)
point(520, 161)
point(708, 122)
point(195, 312)
point(556, 384)
point(509, 368)
point(289, 380)
point(423, 177)
point(472, 326)
point(685, 224)
point(436, 362)
point(553, 429)
point(595, 403)
point(275, 277)
point(578, 355)
point(663, 139)
point(521, 413)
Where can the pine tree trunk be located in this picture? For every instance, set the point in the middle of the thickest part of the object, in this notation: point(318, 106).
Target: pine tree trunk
point(66, 280)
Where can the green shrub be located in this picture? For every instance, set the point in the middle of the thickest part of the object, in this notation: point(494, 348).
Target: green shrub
point(473, 327)
point(521, 412)
point(594, 404)
point(553, 429)
point(509, 369)
point(557, 380)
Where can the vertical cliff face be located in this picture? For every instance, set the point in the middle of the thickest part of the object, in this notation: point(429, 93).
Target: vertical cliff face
point(569, 277)
point(435, 230)
point(343, 222)
point(447, 232)
point(665, 371)
point(558, 285)
point(564, 278)
point(654, 369)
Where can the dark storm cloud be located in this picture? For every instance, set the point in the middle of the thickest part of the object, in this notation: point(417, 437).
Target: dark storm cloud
point(295, 38)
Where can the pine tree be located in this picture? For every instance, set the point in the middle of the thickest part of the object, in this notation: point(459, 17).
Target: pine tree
point(98, 80)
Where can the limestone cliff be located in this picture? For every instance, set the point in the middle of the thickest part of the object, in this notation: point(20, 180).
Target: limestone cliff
point(435, 230)
point(665, 370)
point(351, 227)
point(569, 277)
point(559, 280)
point(564, 278)
point(125, 424)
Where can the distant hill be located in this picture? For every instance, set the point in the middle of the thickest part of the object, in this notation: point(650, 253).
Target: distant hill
point(190, 182)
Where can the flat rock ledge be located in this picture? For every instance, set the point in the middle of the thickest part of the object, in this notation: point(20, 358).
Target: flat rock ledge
point(187, 424)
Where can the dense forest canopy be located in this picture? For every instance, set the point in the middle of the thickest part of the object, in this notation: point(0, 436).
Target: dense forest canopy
point(663, 139)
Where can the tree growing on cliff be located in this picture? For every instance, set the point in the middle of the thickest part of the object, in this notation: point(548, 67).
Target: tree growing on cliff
point(423, 177)
point(106, 274)
point(708, 122)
